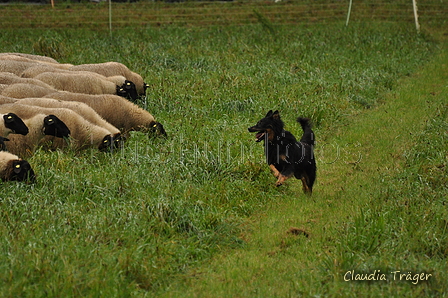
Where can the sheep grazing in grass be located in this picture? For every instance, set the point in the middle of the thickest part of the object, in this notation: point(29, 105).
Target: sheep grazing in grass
point(109, 69)
point(8, 78)
point(13, 168)
point(125, 87)
point(23, 90)
point(121, 113)
point(79, 83)
point(29, 66)
point(40, 125)
point(128, 90)
point(81, 108)
point(12, 124)
point(83, 134)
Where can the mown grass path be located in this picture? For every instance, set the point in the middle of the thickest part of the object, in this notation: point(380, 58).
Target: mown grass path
point(370, 150)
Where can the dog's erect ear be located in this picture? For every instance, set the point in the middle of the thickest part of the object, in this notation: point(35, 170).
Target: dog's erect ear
point(276, 115)
point(269, 114)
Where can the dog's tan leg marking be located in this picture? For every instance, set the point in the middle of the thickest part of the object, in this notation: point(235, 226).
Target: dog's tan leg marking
point(306, 189)
point(274, 171)
point(282, 179)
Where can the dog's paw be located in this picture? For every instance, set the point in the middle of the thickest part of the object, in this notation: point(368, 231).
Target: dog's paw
point(278, 183)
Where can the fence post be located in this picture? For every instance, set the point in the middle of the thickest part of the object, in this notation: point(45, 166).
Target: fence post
point(110, 17)
point(349, 11)
point(417, 25)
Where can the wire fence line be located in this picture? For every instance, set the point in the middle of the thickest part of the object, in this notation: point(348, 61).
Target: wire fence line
point(96, 15)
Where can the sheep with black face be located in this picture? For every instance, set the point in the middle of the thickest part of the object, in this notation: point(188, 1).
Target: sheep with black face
point(121, 113)
point(12, 124)
point(40, 125)
point(83, 134)
point(109, 69)
point(80, 82)
point(82, 109)
point(13, 168)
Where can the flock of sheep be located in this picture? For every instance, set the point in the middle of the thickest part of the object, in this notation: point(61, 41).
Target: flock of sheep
point(55, 105)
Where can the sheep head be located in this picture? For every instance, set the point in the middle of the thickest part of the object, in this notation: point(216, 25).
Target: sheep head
point(53, 126)
point(15, 124)
point(20, 170)
point(156, 129)
point(128, 90)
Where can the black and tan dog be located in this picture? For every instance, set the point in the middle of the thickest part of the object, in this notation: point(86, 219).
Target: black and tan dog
point(284, 154)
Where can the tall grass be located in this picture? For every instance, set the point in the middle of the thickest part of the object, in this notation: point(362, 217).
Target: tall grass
point(403, 227)
point(131, 222)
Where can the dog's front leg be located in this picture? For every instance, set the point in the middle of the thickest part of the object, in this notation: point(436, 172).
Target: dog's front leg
point(282, 178)
point(274, 170)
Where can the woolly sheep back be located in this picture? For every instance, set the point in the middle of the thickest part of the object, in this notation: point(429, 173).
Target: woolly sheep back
point(23, 90)
point(10, 78)
point(121, 113)
point(36, 70)
point(79, 83)
point(3, 87)
point(81, 108)
point(15, 67)
point(7, 99)
point(18, 58)
point(109, 69)
point(31, 57)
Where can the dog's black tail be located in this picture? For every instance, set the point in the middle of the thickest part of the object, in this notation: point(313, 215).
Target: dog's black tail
point(308, 134)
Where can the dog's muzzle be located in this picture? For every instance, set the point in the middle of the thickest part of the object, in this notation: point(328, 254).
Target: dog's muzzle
point(259, 134)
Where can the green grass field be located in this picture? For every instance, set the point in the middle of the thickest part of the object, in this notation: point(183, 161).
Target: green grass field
point(197, 214)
